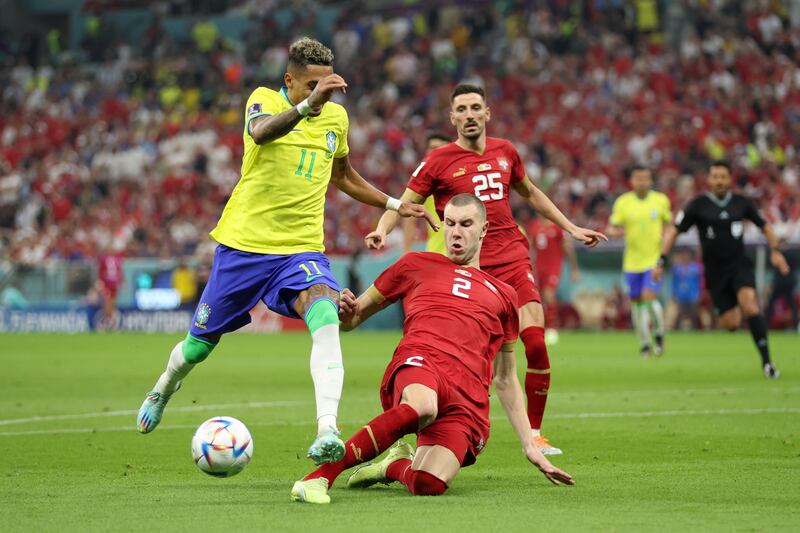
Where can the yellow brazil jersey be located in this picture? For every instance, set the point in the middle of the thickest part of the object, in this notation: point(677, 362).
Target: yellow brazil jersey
point(278, 206)
point(435, 238)
point(643, 220)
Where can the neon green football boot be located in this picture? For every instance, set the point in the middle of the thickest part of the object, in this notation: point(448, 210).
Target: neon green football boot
point(311, 491)
point(369, 474)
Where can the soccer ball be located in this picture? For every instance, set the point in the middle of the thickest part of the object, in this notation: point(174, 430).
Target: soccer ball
point(222, 446)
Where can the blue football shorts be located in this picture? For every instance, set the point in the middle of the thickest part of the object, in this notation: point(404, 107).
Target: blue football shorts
point(240, 279)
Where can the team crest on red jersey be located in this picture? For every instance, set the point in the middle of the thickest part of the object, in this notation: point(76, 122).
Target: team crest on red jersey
point(503, 162)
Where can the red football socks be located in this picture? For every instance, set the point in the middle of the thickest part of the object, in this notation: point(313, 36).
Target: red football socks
point(537, 378)
point(418, 482)
point(371, 440)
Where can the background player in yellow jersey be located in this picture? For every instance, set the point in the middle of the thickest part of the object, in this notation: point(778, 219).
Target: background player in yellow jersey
point(640, 215)
point(435, 242)
point(270, 235)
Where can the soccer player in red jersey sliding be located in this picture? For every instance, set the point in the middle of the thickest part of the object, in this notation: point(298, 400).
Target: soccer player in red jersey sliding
point(488, 167)
point(461, 327)
point(550, 247)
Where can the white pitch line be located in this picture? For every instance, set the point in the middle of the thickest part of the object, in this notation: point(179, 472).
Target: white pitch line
point(618, 414)
point(719, 390)
point(677, 412)
point(257, 405)
point(129, 412)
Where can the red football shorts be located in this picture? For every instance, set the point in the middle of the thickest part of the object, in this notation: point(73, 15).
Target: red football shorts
point(519, 275)
point(462, 423)
point(110, 291)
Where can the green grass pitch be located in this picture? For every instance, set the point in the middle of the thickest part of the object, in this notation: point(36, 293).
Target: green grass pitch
point(697, 440)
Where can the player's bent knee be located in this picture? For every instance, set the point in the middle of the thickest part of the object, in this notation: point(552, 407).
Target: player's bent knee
point(322, 312)
point(427, 410)
point(426, 484)
point(196, 350)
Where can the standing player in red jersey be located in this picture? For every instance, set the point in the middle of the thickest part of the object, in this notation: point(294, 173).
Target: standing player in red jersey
point(461, 328)
point(488, 167)
point(550, 247)
point(111, 275)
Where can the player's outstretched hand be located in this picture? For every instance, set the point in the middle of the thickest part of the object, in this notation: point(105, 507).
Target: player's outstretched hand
point(658, 273)
point(417, 211)
point(347, 305)
point(589, 237)
point(779, 262)
point(556, 476)
point(376, 240)
point(324, 90)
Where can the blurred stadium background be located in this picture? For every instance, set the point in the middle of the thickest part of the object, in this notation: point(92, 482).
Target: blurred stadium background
point(121, 130)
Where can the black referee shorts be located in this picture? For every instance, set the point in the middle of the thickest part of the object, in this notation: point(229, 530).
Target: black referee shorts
point(723, 281)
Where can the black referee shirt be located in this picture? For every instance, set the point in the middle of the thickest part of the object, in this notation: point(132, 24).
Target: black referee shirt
point(720, 223)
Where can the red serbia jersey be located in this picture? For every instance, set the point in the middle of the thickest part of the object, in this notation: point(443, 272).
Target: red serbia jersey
point(548, 242)
point(451, 170)
point(109, 270)
point(460, 313)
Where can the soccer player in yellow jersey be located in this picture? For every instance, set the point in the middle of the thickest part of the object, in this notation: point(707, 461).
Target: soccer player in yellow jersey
point(640, 215)
point(270, 235)
point(435, 241)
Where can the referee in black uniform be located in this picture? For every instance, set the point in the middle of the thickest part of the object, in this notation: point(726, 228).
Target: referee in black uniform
point(719, 216)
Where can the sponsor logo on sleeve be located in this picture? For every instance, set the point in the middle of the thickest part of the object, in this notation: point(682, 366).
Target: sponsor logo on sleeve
point(254, 109)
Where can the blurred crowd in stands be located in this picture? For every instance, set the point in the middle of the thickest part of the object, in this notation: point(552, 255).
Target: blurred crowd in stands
point(133, 147)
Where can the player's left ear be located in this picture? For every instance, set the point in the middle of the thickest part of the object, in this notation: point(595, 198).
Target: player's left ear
point(488, 114)
point(484, 229)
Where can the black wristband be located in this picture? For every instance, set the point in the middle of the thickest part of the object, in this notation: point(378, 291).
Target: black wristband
point(663, 261)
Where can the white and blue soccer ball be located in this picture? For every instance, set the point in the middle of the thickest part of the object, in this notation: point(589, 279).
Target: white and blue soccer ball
point(222, 446)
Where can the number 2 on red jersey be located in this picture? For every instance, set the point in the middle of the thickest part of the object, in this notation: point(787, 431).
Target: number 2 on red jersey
point(460, 286)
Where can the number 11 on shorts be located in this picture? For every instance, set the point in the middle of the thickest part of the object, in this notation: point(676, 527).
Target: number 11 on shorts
point(310, 275)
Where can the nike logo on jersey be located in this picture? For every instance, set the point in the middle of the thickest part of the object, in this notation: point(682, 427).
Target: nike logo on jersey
point(313, 277)
point(463, 272)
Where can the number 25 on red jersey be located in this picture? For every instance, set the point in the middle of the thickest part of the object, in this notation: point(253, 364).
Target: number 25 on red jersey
point(489, 182)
